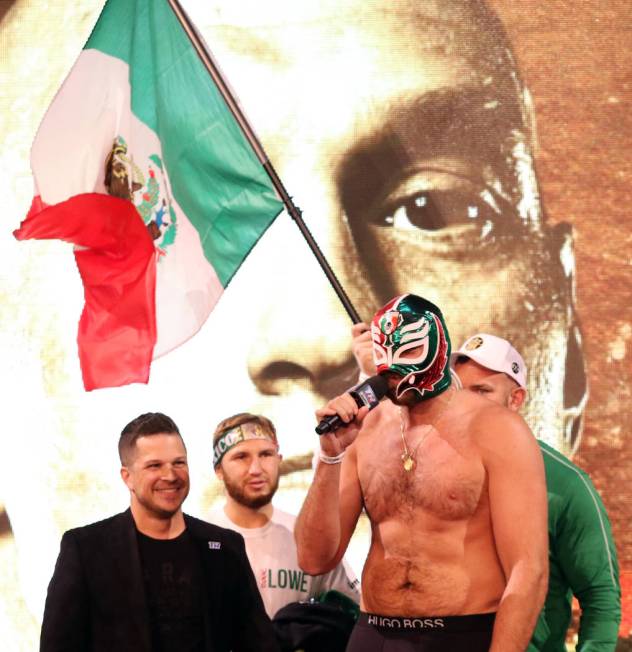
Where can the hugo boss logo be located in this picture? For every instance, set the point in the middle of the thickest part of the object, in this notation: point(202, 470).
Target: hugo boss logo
point(406, 623)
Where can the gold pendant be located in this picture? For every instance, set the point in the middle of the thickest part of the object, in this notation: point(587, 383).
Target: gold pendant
point(408, 462)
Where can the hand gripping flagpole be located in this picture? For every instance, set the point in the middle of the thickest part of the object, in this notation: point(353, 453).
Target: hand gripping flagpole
point(231, 102)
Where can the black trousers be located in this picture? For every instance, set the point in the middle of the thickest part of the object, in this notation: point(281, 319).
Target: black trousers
point(375, 633)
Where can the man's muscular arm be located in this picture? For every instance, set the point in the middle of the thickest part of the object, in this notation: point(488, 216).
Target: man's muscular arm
point(334, 501)
point(518, 505)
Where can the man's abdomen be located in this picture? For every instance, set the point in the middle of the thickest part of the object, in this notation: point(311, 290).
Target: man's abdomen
point(419, 585)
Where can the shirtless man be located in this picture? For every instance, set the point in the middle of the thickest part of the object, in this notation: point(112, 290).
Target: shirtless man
point(454, 488)
point(582, 553)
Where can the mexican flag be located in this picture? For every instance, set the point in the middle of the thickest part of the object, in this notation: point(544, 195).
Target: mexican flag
point(139, 163)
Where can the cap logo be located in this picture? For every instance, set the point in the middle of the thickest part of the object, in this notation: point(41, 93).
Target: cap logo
point(474, 343)
point(514, 367)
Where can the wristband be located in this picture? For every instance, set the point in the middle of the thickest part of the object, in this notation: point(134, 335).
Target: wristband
point(327, 459)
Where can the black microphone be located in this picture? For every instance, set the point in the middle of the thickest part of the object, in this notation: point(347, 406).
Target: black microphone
point(369, 392)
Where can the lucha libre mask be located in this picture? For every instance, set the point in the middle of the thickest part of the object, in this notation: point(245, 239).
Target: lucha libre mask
point(410, 339)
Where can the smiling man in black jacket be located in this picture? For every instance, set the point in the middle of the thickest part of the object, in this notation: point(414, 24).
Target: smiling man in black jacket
point(153, 578)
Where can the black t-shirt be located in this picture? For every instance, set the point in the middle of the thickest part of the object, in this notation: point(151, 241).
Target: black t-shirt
point(173, 586)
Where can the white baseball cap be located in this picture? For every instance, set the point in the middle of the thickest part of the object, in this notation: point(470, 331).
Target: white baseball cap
point(494, 353)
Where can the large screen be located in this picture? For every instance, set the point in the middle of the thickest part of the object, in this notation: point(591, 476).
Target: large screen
point(475, 154)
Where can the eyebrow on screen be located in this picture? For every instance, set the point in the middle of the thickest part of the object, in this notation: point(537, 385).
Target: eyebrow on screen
point(463, 122)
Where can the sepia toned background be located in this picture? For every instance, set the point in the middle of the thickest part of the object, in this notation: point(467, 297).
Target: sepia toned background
point(574, 58)
point(59, 443)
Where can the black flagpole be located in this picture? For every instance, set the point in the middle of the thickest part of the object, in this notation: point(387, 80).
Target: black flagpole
point(231, 102)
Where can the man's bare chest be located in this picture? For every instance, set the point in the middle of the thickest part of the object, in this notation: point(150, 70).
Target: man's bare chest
point(439, 475)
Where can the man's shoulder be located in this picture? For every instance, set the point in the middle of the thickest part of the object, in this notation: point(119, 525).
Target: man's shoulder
point(280, 525)
point(501, 436)
point(555, 460)
point(489, 419)
point(100, 528)
point(564, 475)
point(203, 529)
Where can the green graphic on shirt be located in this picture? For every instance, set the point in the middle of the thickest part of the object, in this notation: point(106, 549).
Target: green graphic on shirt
point(286, 578)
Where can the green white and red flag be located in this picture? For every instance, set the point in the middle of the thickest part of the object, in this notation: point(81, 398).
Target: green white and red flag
point(141, 165)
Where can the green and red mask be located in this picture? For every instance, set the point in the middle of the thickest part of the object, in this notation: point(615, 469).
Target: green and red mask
point(410, 339)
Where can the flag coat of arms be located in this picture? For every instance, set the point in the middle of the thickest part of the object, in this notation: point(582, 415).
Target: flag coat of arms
point(140, 164)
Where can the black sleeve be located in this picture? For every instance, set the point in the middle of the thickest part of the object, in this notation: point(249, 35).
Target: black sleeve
point(253, 631)
point(66, 626)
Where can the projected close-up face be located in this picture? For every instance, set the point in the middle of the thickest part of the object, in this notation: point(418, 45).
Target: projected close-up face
point(405, 134)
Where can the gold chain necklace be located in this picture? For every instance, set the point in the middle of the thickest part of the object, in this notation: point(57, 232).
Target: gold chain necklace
point(408, 458)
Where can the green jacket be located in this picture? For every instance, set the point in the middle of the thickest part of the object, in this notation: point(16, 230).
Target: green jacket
point(582, 560)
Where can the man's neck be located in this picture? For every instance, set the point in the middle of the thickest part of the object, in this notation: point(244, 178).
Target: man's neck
point(247, 517)
point(157, 527)
point(431, 410)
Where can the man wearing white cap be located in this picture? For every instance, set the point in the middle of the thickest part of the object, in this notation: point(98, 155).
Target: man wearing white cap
point(491, 353)
point(582, 555)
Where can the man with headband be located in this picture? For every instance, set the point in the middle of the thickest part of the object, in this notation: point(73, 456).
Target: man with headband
point(454, 488)
point(153, 578)
point(247, 460)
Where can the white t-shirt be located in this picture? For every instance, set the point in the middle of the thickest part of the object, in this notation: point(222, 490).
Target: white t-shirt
point(271, 550)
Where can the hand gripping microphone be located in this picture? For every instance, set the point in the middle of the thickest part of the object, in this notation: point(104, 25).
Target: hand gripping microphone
point(369, 393)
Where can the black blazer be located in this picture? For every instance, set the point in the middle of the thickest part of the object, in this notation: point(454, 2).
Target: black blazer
point(96, 598)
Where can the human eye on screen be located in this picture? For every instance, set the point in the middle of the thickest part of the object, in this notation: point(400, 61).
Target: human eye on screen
point(435, 201)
